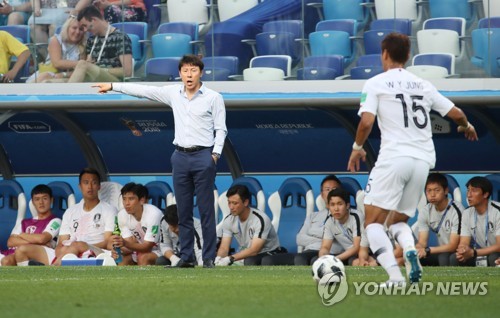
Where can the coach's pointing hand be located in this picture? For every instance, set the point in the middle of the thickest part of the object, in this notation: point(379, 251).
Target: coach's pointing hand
point(104, 87)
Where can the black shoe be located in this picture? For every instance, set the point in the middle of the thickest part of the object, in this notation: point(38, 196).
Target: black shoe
point(208, 263)
point(182, 264)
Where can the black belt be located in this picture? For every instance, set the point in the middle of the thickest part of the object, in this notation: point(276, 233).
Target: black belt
point(191, 149)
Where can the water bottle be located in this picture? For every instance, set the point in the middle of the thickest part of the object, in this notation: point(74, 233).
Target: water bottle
point(118, 250)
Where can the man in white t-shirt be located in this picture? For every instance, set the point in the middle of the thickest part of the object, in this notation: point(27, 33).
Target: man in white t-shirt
point(87, 226)
point(402, 102)
point(139, 224)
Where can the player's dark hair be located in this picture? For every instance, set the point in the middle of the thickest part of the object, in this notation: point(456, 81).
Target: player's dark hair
point(41, 189)
point(398, 47)
point(341, 193)
point(89, 171)
point(438, 178)
point(136, 188)
point(240, 190)
point(170, 215)
point(191, 59)
point(330, 177)
point(482, 183)
point(88, 13)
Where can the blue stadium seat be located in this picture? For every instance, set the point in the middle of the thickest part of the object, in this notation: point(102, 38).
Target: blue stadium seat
point(257, 199)
point(453, 8)
point(160, 194)
point(215, 74)
point(161, 69)
point(171, 45)
point(486, 51)
point(230, 63)
point(188, 28)
point(485, 23)
point(373, 39)
point(296, 27)
point(138, 33)
point(364, 72)
point(12, 208)
point(495, 181)
point(399, 25)
point(332, 43)
point(290, 205)
point(344, 9)
point(321, 67)
point(22, 33)
point(369, 60)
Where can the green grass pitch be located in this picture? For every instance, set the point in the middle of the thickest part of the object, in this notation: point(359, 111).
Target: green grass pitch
point(143, 292)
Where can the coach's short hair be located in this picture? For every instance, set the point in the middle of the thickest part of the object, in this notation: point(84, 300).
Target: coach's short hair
point(240, 190)
point(482, 183)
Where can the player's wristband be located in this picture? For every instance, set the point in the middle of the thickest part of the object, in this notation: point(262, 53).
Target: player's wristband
point(355, 146)
point(468, 125)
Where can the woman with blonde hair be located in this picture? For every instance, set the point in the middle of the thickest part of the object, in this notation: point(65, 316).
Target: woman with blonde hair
point(65, 49)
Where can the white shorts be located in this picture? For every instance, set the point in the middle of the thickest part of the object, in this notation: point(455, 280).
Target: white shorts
point(397, 185)
point(51, 254)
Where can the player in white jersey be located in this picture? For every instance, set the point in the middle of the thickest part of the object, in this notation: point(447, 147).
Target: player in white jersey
point(34, 238)
point(342, 226)
point(441, 216)
point(480, 238)
point(401, 101)
point(252, 229)
point(87, 226)
point(169, 241)
point(139, 224)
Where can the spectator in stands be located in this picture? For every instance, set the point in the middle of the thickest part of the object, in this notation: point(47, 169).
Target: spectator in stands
point(252, 229)
point(441, 216)
point(47, 16)
point(139, 224)
point(406, 155)
point(122, 10)
point(311, 234)
point(342, 226)
point(169, 244)
point(14, 12)
point(200, 131)
point(65, 50)
point(34, 238)
point(87, 226)
point(108, 50)
point(10, 46)
point(480, 237)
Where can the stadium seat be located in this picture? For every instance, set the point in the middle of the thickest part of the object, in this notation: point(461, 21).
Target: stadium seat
point(321, 67)
point(276, 43)
point(161, 69)
point(428, 71)
point(364, 72)
point(453, 8)
point(443, 35)
point(344, 9)
point(230, 63)
point(110, 192)
point(22, 33)
point(215, 74)
point(491, 8)
point(485, 23)
point(369, 60)
point(282, 62)
point(160, 194)
point(399, 25)
point(12, 208)
point(400, 9)
point(486, 52)
point(351, 185)
point(196, 11)
point(445, 60)
point(372, 40)
point(345, 25)
point(138, 34)
point(64, 197)
point(171, 45)
point(290, 205)
point(495, 181)
point(263, 74)
point(332, 43)
point(228, 9)
point(188, 28)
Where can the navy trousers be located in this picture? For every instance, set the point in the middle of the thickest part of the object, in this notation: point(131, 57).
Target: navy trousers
point(194, 174)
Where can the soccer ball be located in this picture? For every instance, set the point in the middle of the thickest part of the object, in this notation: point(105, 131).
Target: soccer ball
point(328, 264)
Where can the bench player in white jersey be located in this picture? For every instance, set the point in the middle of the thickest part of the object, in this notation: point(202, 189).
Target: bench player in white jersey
point(169, 240)
point(441, 216)
point(139, 224)
point(87, 226)
point(34, 238)
point(402, 102)
point(252, 229)
point(342, 226)
point(480, 237)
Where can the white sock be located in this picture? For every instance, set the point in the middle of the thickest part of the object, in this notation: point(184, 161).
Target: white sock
point(25, 263)
point(403, 235)
point(382, 249)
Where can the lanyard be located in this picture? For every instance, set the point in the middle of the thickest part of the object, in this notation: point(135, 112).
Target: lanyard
point(103, 44)
point(485, 230)
point(436, 230)
point(346, 233)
